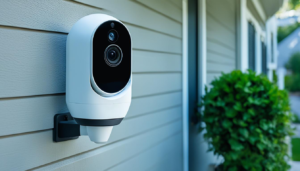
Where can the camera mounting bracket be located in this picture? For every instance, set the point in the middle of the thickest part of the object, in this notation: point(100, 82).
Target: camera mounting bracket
point(65, 128)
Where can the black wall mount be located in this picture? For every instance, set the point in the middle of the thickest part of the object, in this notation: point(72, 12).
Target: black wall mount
point(65, 128)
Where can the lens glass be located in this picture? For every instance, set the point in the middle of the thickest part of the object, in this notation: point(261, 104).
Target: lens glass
point(112, 36)
point(113, 55)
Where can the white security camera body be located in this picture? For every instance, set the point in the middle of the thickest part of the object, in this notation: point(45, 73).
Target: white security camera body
point(98, 73)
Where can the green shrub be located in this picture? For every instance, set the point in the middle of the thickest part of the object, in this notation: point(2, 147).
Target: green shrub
point(294, 63)
point(292, 82)
point(296, 119)
point(284, 31)
point(246, 120)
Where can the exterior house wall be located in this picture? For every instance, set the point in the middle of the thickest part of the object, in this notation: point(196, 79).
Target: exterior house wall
point(218, 47)
point(221, 37)
point(32, 90)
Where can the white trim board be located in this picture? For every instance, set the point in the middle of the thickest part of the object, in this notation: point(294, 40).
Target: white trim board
point(185, 98)
point(202, 48)
point(243, 35)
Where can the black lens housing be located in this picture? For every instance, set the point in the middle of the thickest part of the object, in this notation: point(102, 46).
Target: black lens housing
point(107, 78)
point(113, 55)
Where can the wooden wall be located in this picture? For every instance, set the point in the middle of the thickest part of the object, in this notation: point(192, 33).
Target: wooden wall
point(221, 37)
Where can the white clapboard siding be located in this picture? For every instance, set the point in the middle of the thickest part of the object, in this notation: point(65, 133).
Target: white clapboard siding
point(163, 143)
point(216, 47)
point(36, 64)
point(220, 58)
point(149, 40)
point(30, 114)
point(164, 7)
point(156, 153)
point(169, 163)
point(60, 15)
point(214, 23)
point(223, 8)
point(221, 35)
point(147, 84)
point(177, 3)
point(36, 149)
point(146, 61)
point(221, 38)
point(36, 113)
point(134, 12)
point(219, 67)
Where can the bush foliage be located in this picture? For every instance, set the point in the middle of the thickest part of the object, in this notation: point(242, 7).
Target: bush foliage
point(293, 63)
point(247, 119)
point(292, 81)
point(284, 31)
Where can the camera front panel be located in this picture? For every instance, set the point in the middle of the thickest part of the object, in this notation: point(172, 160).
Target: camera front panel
point(111, 63)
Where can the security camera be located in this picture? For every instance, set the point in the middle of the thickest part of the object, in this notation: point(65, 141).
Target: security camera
point(98, 86)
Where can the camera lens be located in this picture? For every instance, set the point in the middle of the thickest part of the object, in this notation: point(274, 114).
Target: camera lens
point(112, 36)
point(113, 55)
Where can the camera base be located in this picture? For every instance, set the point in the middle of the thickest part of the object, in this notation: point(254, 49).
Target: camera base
point(65, 128)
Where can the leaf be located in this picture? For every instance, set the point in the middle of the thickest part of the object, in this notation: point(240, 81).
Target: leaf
point(263, 124)
point(231, 113)
point(233, 168)
point(234, 155)
point(244, 132)
point(235, 145)
point(261, 146)
point(226, 124)
point(252, 139)
point(238, 106)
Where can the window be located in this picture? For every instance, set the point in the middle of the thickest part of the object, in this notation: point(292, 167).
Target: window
point(264, 58)
point(251, 46)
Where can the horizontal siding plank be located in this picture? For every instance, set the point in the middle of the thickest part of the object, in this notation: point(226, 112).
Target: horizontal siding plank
point(147, 84)
point(154, 155)
point(36, 64)
point(222, 10)
point(165, 7)
point(30, 114)
point(31, 63)
point(216, 47)
point(128, 149)
point(59, 15)
point(36, 149)
point(178, 3)
point(218, 36)
point(217, 67)
point(149, 19)
point(149, 40)
point(219, 22)
point(218, 32)
point(36, 113)
point(217, 58)
point(150, 104)
point(173, 163)
point(145, 61)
